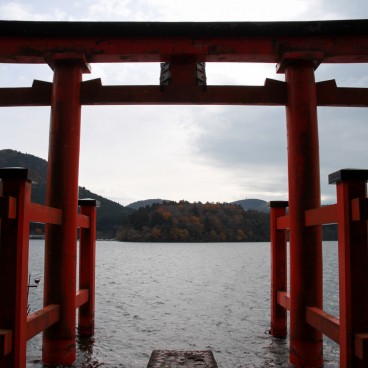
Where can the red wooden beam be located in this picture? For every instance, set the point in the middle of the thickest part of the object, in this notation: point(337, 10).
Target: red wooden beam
point(328, 94)
point(324, 322)
point(6, 338)
point(46, 317)
point(306, 348)
point(14, 249)
point(42, 319)
point(361, 346)
point(37, 95)
point(353, 264)
point(283, 222)
point(38, 212)
point(87, 267)
point(8, 207)
point(321, 215)
point(273, 93)
point(278, 269)
point(81, 297)
point(32, 42)
point(62, 192)
point(283, 299)
point(83, 221)
point(142, 49)
point(44, 214)
point(359, 209)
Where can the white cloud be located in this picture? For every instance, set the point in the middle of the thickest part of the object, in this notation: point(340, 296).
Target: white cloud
point(189, 10)
point(25, 11)
point(15, 11)
point(111, 9)
point(26, 130)
point(236, 10)
point(122, 10)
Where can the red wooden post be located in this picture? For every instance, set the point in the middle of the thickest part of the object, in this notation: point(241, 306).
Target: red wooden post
point(353, 266)
point(14, 247)
point(62, 192)
point(306, 348)
point(87, 262)
point(278, 269)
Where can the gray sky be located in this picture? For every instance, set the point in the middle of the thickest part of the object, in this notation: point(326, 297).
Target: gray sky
point(197, 153)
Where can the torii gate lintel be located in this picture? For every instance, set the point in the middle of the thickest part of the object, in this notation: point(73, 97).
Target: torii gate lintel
point(297, 47)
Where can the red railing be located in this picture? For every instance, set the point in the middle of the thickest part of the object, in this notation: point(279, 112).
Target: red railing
point(16, 213)
point(350, 330)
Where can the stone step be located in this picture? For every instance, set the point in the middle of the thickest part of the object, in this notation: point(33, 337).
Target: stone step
point(182, 359)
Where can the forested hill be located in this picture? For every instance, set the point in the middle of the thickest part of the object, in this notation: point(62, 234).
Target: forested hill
point(110, 214)
point(253, 204)
point(144, 203)
point(159, 220)
point(195, 222)
point(247, 204)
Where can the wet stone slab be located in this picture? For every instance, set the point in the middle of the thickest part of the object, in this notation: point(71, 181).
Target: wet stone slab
point(182, 359)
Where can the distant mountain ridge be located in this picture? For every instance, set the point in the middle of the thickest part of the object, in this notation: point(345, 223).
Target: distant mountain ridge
point(110, 214)
point(253, 204)
point(247, 204)
point(145, 202)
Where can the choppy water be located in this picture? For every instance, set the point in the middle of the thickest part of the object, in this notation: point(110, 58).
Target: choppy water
point(183, 296)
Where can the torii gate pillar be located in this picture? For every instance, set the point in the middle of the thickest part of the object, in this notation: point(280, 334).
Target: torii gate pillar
point(62, 192)
point(306, 343)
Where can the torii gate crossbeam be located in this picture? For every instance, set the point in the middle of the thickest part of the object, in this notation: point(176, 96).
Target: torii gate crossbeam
point(296, 47)
point(119, 42)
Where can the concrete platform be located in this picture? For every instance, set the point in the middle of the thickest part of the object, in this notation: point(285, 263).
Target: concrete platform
point(182, 359)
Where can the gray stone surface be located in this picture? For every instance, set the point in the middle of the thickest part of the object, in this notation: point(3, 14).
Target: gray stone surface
point(182, 359)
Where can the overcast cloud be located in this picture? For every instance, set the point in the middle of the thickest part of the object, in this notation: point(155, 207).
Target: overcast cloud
point(197, 153)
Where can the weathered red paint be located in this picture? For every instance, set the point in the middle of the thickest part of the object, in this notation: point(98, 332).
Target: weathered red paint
point(361, 346)
point(321, 215)
point(353, 266)
point(328, 94)
point(83, 221)
point(62, 192)
point(14, 267)
point(359, 209)
point(109, 42)
point(82, 297)
point(324, 322)
point(87, 261)
point(304, 194)
point(351, 214)
point(44, 214)
point(8, 207)
point(273, 93)
point(183, 44)
point(283, 299)
point(6, 342)
point(42, 319)
point(278, 270)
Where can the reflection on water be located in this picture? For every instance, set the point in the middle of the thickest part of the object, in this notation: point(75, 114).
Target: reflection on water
point(182, 296)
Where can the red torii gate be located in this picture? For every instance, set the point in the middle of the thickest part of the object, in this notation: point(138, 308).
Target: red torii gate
point(296, 47)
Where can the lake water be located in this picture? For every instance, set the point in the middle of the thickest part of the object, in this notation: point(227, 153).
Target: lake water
point(183, 296)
